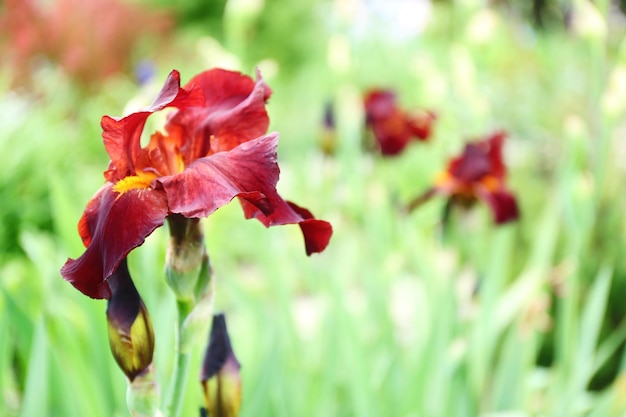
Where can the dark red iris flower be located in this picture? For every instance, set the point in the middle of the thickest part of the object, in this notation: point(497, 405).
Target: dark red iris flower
point(394, 128)
point(477, 174)
point(212, 149)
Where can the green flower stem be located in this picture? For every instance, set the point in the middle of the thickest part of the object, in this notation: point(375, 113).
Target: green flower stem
point(181, 365)
point(142, 395)
point(188, 273)
point(185, 258)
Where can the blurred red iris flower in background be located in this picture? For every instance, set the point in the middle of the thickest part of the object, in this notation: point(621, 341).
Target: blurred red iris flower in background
point(393, 127)
point(213, 148)
point(478, 173)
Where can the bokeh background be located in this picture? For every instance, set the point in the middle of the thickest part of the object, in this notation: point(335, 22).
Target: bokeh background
point(399, 316)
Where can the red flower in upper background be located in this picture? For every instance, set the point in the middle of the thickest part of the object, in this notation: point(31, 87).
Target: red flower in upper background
point(213, 148)
point(393, 128)
point(90, 40)
point(479, 173)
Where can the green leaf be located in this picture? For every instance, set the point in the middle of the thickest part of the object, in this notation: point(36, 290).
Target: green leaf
point(36, 401)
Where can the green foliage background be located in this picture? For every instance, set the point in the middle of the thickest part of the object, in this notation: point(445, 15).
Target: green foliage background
point(396, 317)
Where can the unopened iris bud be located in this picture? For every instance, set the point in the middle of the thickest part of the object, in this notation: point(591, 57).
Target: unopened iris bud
point(220, 377)
point(130, 329)
point(328, 136)
point(187, 265)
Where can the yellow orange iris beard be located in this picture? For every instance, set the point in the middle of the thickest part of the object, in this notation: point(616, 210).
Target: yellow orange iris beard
point(133, 182)
point(491, 183)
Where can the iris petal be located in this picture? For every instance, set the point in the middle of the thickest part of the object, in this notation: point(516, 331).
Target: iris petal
point(316, 232)
point(226, 88)
point(249, 171)
point(233, 113)
point(88, 222)
point(122, 136)
point(115, 224)
point(502, 203)
point(393, 133)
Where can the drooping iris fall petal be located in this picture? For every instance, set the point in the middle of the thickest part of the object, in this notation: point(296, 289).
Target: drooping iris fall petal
point(316, 232)
point(249, 171)
point(213, 148)
point(112, 226)
point(502, 203)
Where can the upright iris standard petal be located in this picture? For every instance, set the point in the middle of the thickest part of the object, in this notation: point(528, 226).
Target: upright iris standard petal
point(213, 148)
point(480, 159)
point(233, 112)
point(121, 136)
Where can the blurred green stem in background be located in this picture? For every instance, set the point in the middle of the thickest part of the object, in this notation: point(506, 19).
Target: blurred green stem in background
point(599, 67)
